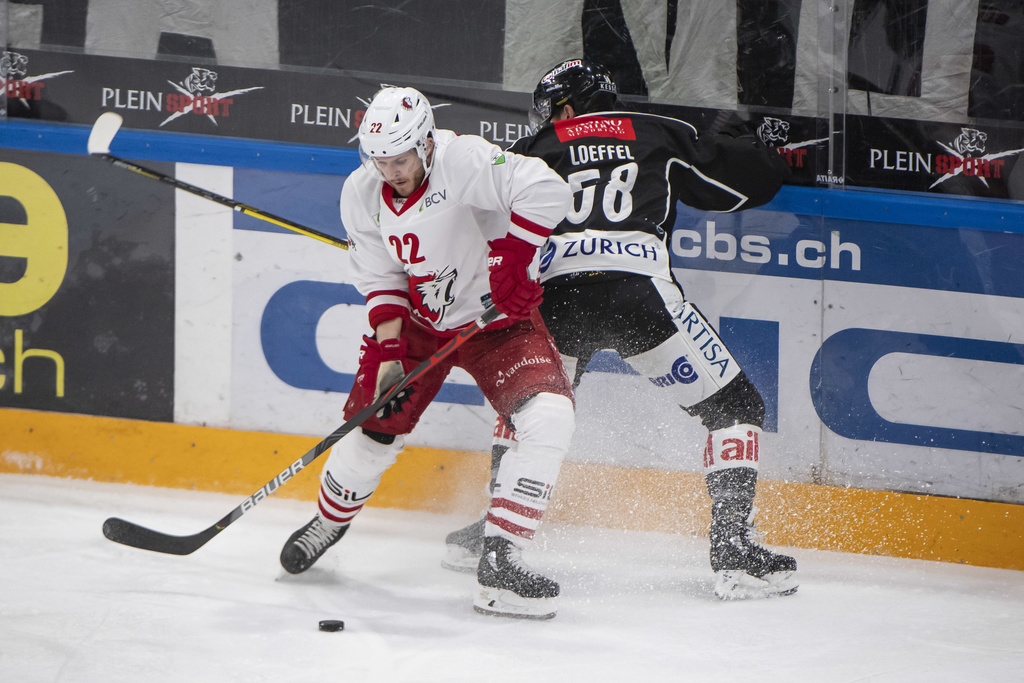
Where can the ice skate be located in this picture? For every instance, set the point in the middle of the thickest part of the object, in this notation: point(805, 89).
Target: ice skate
point(464, 547)
point(744, 569)
point(508, 588)
point(306, 545)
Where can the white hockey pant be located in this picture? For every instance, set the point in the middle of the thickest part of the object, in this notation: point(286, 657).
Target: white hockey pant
point(352, 473)
point(692, 364)
point(681, 370)
point(527, 474)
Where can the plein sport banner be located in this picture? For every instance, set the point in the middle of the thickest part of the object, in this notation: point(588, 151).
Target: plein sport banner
point(977, 159)
point(326, 108)
point(259, 104)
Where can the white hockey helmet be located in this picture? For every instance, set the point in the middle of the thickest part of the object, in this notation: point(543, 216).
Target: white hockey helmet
point(397, 120)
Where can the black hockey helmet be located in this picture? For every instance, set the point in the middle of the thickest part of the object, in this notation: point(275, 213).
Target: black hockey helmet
point(587, 86)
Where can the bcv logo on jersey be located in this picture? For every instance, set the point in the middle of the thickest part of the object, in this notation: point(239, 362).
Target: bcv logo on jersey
point(434, 198)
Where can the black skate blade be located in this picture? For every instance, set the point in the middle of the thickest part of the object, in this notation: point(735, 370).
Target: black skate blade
point(513, 615)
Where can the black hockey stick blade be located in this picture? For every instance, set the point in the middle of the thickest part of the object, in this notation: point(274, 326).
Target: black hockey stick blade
point(127, 533)
point(131, 534)
point(107, 126)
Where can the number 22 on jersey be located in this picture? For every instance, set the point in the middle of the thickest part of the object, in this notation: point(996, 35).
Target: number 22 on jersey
point(412, 242)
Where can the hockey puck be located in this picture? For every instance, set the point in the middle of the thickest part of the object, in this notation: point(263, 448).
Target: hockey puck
point(332, 625)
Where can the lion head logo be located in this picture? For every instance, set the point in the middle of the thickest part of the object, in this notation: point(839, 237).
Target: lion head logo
point(773, 131)
point(432, 294)
point(201, 81)
point(13, 65)
point(970, 141)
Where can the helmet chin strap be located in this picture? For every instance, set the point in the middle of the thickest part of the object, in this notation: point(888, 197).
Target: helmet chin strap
point(426, 155)
point(423, 153)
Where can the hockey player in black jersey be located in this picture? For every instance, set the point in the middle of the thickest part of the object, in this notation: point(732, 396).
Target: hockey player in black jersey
point(608, 285)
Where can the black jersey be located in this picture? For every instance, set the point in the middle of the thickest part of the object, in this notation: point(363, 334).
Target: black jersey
point(627, 170)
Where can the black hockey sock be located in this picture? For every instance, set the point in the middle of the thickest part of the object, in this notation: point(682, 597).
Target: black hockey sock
point(732, 492)
point(732, 500)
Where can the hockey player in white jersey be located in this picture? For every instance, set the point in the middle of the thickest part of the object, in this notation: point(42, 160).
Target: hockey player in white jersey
point(441, 226)
point(608, 285)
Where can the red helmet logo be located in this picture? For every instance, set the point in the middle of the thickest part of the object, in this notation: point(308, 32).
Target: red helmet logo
point(407, 102)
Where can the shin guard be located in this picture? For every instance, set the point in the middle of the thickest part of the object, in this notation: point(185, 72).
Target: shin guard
point(352, 473)
point(527, 475)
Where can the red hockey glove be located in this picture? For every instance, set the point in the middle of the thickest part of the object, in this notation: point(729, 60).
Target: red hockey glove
point(512, 291)
point(381, 366)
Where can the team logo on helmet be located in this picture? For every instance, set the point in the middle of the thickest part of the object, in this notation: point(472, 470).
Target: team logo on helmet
point(407, 103)
point(561, 68)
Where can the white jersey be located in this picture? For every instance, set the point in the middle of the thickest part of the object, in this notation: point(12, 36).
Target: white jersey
point(427, 255)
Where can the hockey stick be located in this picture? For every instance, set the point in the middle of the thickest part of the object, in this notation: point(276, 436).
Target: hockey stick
point(128, 533)
point(103, 132)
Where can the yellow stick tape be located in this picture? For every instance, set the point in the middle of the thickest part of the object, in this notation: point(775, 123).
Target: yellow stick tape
point(449, 482)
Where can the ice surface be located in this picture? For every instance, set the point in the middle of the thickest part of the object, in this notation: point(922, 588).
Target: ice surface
point(635, 607)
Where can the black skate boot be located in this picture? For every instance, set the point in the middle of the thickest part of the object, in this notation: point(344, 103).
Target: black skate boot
point(508, 588)
point(464, 547)
point(743, 568)
point(306, 545)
